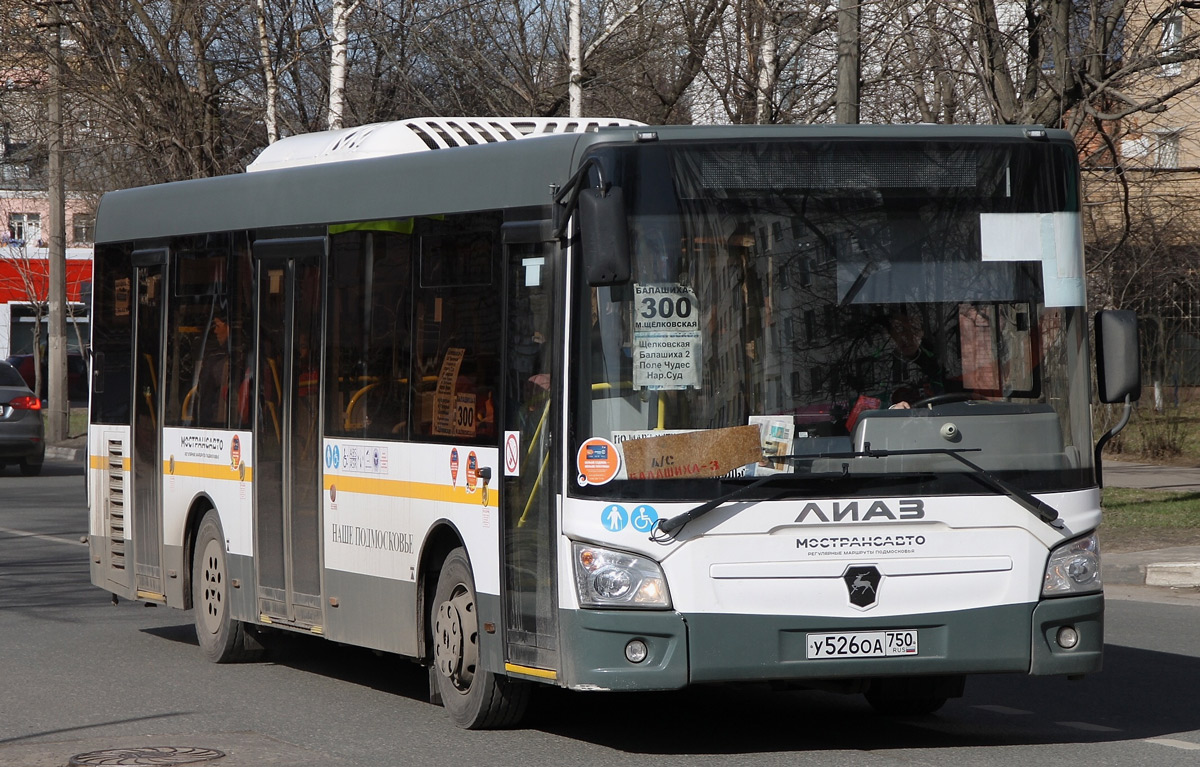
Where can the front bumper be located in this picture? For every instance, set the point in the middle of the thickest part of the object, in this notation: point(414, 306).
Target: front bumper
point(690, 648)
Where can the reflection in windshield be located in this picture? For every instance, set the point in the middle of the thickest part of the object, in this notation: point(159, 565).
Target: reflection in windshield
point(870, 313)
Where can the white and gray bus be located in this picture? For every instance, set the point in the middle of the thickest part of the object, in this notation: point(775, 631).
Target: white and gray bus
point(614, 407)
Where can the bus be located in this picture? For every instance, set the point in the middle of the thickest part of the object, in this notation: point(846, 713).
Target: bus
point(608, 406)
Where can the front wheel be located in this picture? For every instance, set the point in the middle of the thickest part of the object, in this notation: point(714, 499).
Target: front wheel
point(474, 697)
point(222, 639)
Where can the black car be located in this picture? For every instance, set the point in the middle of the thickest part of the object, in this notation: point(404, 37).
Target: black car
point(22, 435)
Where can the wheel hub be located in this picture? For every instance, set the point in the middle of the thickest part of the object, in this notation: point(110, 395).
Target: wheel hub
point(212, 587)
point(455, 647)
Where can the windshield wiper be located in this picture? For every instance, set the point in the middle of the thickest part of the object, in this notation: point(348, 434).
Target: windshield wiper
point(1026, 500)
point(666, 529)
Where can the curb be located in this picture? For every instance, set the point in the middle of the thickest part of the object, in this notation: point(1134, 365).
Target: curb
point(56, 453)
point(1174, 574)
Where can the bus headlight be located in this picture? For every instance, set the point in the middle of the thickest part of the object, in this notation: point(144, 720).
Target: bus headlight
point(607, 578)
point(1073, 568)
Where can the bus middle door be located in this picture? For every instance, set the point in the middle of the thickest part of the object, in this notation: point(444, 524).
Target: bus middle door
point(287, 505)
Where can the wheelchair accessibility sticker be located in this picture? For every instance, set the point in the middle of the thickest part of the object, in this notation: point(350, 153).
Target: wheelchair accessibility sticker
point(643, 518)
point(616, 518)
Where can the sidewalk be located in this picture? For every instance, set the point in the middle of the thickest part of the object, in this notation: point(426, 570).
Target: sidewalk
point(1177, 567)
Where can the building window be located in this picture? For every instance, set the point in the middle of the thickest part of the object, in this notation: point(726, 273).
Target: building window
point(83, 228)
point(1154, 149)
point(25, 227)
point(1166, 149)
point(1172, 34)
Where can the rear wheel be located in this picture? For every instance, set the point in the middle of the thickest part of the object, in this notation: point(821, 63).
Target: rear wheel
point(913, 696)
point(474, 697)
point(30, 469)
point(222, 639)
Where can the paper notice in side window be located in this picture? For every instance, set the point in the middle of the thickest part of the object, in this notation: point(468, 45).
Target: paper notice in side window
point(693, 455)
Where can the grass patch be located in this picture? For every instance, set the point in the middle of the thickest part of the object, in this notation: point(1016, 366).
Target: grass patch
point(1137, 519)
point(77, 425)
point(1171, 437)
point(1132, 507)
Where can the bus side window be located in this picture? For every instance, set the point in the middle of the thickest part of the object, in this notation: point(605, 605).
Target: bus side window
point(367, 359)
point(197, 364)
point(458, 333)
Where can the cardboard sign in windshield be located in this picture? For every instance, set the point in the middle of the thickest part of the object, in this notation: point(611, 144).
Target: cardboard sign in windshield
point(696, 454)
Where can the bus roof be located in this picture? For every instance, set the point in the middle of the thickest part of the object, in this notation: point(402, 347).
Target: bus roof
point(462, 178)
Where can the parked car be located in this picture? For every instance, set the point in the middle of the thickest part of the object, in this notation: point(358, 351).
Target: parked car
point(22, 435)
point(77, 374)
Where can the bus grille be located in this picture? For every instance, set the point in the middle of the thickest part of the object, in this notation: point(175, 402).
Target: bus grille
point(114, 504)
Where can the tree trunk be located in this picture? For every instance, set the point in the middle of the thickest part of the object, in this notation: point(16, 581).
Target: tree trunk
point(269, 79)
point(337, 62)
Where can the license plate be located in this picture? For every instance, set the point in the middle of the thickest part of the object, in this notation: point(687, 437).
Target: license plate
point(862, 644)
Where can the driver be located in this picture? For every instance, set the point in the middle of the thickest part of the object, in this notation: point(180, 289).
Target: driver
point(917, 372)
point(906, 367)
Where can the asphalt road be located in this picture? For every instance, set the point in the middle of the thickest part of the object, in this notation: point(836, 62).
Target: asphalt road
point(79, 675)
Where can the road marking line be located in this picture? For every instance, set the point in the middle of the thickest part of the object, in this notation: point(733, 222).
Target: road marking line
point(1004, 710)
point(40, 537)
point(1183, 744)
point(1087, 726)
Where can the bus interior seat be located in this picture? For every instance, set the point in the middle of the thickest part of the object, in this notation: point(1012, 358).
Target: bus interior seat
point(356, 417)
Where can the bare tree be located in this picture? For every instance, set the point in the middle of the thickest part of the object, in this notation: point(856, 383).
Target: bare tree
point(164, 83)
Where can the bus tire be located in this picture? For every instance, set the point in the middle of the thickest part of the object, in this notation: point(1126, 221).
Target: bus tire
point(912, 696)
point(475, 697)
point(222, 639)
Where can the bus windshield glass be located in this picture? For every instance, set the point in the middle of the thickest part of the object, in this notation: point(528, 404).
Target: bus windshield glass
point(842, 312)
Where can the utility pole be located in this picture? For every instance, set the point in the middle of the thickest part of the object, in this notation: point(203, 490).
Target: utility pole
point(57, 419)
point(847, 61)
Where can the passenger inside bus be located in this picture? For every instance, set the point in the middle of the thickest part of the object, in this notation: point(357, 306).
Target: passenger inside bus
point(212, 389)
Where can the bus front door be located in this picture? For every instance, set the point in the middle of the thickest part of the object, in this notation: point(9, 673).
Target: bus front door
point(531, 607)
point(147, 420)
point(287, 435)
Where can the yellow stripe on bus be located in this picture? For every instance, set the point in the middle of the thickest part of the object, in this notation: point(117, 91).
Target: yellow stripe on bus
point(540, 673)
point(100, 462)
point(206, 470)
point(398, 488)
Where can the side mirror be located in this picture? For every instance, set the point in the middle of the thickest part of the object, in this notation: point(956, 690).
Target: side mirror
point(604, 237)
point(1118, 362)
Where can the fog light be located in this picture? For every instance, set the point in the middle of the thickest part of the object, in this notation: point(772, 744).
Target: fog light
point(1068, 637)
point(636, 651)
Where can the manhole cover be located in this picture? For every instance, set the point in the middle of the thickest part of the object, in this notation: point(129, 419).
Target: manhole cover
point(152, 755)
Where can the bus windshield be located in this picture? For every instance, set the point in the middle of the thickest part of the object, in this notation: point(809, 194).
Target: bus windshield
point(843, 312)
